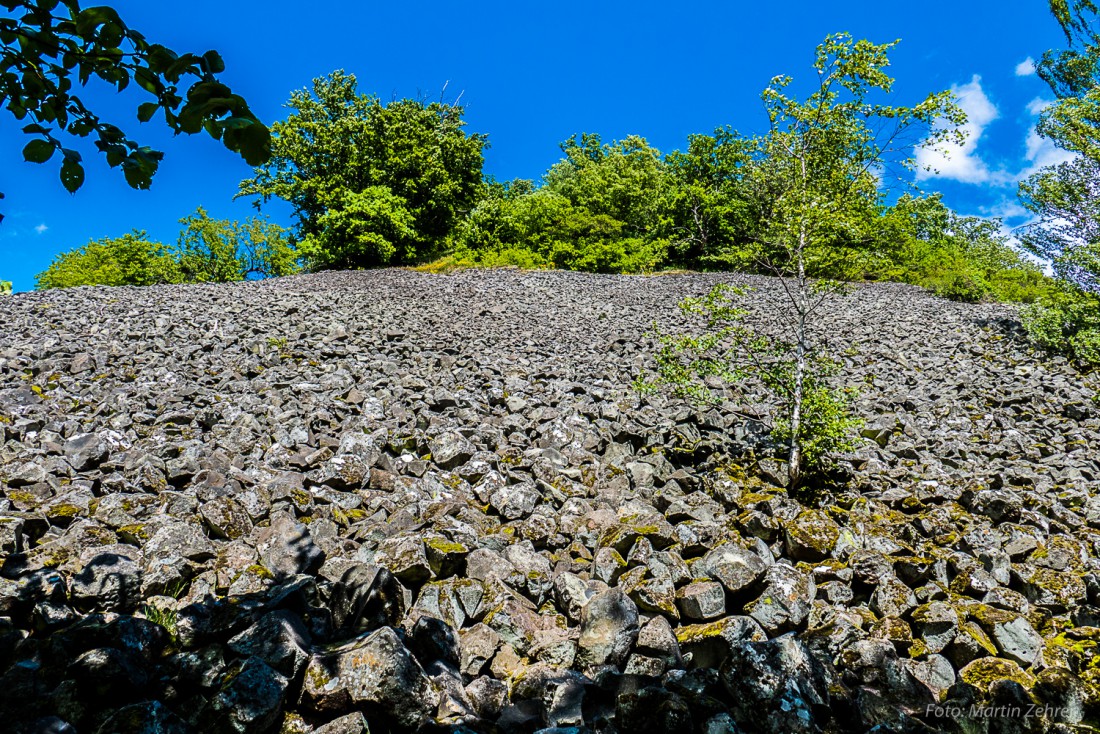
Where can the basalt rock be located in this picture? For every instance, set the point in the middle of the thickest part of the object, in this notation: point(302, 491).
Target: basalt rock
point(396, 501)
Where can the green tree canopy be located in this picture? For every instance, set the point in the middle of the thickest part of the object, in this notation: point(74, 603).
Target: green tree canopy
point(624, 180)
point(711, 206)
point(1066, 198)
point(220, 250)
point(208, 251)
point(370, 183)
point(602, 208)
point(49, 49)
point(132, 259)
point(920, 240)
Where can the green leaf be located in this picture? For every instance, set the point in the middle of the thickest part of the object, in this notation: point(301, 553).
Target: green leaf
point(148, 80)
point(89, 19)
point(72, 175)
point(146, 110)
point(38, 151)
point(110, 35)
point(214, 62)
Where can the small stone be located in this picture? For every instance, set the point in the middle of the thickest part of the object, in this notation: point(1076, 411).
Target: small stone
point(109, 582)
point(353, 723)
point(936, 623)
point(478, 645)
point(515, 501)
point(286, 547)
point(406, 559)
point(892, 598)
point(252, 700)
point(450, 450)
point(984, 672)
point(279, 639)
point(736, 568)
point(785, 601)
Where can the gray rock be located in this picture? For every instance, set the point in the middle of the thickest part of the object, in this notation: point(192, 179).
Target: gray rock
point(515, 501)
point(736, 568)
point(87, 451)
point(251, 701)
point(286, 547)
point(375, 671)
point(280, 639)
point(609, 628)
point(109, 582)
point(148, 717)
point(450, 450)
point(936, 623)
point(353, 723)
point(778, 684)
point(702, 600)
point(892, 598)
point(785, 601)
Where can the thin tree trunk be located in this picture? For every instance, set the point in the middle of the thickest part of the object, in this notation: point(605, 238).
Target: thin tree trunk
point(794, 461)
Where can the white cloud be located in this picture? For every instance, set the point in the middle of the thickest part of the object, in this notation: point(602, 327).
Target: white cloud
point(1006, 209)
point(41, 229)
point(957, 162)
point(1041, 152)
point(1037, 105)
point(1026, 67)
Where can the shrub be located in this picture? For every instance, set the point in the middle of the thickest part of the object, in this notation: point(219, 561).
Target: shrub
point(921, 241)
point(966, 287)
point(1068, 324)
point(132, 259)
point(5, 287)
point(220, 250)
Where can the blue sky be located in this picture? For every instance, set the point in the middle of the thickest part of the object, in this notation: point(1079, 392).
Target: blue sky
point(532, 74)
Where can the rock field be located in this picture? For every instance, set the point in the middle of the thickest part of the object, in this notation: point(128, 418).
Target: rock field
point(412, 502)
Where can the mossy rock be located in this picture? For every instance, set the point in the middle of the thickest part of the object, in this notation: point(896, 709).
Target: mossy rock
point(984, 672)
point(811, 536)
point(63, 511)
point(136, 534)
point(1050, 588)
point(979, 636)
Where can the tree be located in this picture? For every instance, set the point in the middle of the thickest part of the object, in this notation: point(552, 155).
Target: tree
point(220, 250)
point(48, 47)
point(818, 168)
point(5, 287)
point(1066, 198)
point(919, 240)
point(624, 180)
point(369, 183)
point(602, 208)
point(132, 259)
point(710, 206)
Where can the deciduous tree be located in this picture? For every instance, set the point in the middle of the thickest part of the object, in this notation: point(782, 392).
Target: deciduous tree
point(220, 250)
point(370, 183)
point(818, 168)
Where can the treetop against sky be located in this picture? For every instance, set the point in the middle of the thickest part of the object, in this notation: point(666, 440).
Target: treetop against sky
point(530, 76)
